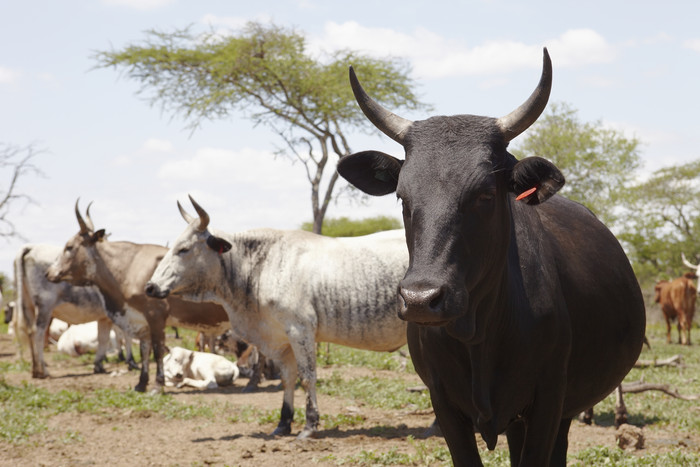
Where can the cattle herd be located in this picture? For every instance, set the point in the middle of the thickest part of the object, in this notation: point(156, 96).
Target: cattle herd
point(511, 298)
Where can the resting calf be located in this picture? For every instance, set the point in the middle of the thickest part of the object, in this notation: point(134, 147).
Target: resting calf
point(200, 370)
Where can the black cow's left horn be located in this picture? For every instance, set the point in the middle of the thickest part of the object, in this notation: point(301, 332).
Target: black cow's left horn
point(390, 124)
point(521, 118)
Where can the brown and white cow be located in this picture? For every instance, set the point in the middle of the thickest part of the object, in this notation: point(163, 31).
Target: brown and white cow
point(677, 300)
point(285, 291)
point(120, 271)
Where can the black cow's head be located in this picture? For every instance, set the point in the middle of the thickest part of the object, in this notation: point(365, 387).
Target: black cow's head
point(456, 185)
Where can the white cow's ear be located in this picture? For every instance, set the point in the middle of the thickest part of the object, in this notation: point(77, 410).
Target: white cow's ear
point(218, 244)
point(98, 236)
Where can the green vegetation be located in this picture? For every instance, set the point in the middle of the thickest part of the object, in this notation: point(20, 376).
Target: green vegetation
point(375, 391)
point(344, 227)
point(25, 410)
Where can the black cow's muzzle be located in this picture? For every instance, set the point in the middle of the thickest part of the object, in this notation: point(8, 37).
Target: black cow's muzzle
point(423, 303)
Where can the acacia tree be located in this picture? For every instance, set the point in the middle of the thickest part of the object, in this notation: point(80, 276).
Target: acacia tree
point(265, 73)
point(662, 220)
point(598, 163)
point(15, 162)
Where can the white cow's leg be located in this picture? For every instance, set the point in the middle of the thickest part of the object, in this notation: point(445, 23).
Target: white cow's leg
point(306, 363)
point(37, 334)
point(103, 328)
point(289, 379)
point(145, 347)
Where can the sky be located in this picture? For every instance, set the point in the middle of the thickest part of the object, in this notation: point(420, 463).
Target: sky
point(633, 66)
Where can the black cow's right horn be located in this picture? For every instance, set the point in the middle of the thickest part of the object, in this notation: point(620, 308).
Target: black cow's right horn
point(390, 124)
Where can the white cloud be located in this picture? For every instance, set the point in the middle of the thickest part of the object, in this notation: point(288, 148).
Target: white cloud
point(139, 4)
point(9, 76)
point(157, 145)
point(434, 56)
point(693, 44)
point(238, 166)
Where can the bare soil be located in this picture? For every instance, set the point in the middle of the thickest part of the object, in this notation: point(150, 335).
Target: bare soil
point(117, 438)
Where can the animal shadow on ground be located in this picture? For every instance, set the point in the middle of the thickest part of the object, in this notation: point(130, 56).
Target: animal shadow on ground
point(236, 389)
point(607, 419)
point(221, 438)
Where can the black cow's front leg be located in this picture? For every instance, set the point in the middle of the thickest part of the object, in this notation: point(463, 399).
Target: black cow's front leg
point(458, 430)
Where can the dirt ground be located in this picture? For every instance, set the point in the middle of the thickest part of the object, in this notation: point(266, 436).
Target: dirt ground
point(119, 438)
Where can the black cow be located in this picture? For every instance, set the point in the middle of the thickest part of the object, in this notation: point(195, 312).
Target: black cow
point(521, 313)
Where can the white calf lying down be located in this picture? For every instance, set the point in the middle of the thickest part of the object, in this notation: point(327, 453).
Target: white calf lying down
point(81, 338)
point(200, 370)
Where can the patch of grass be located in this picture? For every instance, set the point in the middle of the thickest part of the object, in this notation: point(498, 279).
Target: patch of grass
point(24, 409)
point(605, 456)
point(338, 355)
point(377, 392)
point(15, 367)
point(654, 409)
point(329, 422)
point(425, 453)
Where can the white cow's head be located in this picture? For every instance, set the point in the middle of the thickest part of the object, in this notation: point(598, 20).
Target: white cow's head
point(176, 364)
point(193, 267)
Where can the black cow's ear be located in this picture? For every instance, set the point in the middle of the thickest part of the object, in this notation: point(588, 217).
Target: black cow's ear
point(373, 172)
point(535, 180)
point(218, 244)
point(98, 236)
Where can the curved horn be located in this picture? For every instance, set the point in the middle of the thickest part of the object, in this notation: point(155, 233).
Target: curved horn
point(688, 263)
point(390, 124)
point(88, 219)
point(83, 226)
point(521, 118)
point(185, 215)
point(203, 216)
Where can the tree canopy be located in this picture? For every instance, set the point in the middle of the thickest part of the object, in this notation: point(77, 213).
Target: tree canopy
point(265, 73)
point(661, 220)
point(345, 227)
point(599, 163)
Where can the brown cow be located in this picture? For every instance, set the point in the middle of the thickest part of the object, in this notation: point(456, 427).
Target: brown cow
point(677, 300)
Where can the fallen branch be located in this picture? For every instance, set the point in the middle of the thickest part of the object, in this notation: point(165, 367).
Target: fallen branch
point(676, 360)
point(641, 386)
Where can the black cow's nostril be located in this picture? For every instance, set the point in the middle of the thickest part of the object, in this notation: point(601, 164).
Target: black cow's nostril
point(429, 297)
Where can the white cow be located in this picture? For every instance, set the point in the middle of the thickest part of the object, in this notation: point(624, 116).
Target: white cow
point(82, 338)
point(38, 300)
point(286, 290)
point(202, 370)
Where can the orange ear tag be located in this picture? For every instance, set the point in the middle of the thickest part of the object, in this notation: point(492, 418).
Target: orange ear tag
point(526, 193)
